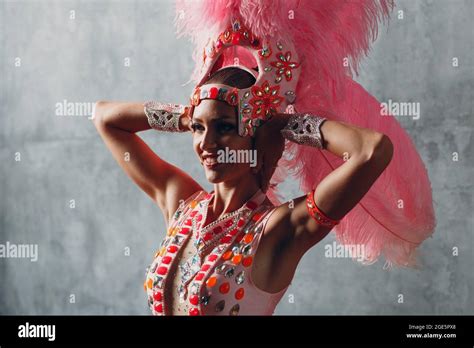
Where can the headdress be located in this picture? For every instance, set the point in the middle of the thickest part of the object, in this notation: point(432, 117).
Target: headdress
point(307, 52)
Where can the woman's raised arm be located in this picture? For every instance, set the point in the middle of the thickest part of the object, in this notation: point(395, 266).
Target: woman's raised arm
point(164, 183)
point(366, 153)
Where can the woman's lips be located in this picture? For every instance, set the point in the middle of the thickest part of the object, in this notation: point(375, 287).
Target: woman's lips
point(211, 162)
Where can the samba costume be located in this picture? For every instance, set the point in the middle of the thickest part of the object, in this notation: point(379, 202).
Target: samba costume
point(299, 48)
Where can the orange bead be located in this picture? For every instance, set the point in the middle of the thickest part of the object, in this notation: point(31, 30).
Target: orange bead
point(247, 261)
point(239, 294)
point(227, 255)
point(211, 282)
point(170, 231)
point(248, 238)
point(236, 259)
point(144, 285)
point(193, 204)
point(149, 283)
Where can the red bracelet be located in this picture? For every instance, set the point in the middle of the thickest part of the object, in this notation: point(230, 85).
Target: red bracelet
point(317, 214)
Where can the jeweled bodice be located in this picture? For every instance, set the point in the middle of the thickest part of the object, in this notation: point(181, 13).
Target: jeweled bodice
point(207, 270)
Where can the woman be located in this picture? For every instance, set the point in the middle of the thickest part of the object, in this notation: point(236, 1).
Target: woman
point(235, 250)
point(289, 230)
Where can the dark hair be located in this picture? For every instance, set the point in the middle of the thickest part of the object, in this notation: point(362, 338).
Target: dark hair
point(232, 76)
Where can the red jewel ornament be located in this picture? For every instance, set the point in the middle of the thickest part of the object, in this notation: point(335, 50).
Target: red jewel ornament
point(213, 93)
point(166, 260)
point(241, 222)
point(217, 230)
point(226, 239)
point(257, 216)
point(224, 288)
point(172, 248)
point(247, 261)
point(239, 294)
point(284, 65)
point(236, 38)
point(228, 223)
point(207, 236)
point(157, 296)
point(184, 230)
point(212, 257)
point(265, 101)
point(162, 270)
point(234, 232)
point(159, 308)
point(194, 311)
point(199, 276)
point(205, 267)
point(194, 299)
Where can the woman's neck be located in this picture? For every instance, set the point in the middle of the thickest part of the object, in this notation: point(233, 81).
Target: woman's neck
point(230, 197)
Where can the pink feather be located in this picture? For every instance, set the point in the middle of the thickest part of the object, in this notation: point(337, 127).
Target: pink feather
point(327, 34)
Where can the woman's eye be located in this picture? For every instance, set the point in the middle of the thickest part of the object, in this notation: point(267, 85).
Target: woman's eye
point(196, 127)
point(226, 127)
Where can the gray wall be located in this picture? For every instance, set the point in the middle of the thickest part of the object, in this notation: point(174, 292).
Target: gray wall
point(82, 244)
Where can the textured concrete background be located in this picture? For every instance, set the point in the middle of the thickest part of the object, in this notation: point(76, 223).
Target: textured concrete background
point(69, 196)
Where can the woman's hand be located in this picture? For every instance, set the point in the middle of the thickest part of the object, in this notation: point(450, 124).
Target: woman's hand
point(185, 121)
point(269, 144)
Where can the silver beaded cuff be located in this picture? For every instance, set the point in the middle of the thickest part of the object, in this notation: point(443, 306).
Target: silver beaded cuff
point(304, 129)
point(164, 117)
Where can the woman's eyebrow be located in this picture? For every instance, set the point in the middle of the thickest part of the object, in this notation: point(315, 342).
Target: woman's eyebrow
point(217, 118)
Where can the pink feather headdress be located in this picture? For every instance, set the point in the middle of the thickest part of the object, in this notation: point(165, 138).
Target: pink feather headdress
point(330, 38)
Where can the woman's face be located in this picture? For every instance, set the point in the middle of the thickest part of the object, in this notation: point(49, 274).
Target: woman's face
point(215, 132)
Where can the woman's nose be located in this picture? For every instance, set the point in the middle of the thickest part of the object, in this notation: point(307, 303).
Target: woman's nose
point(208, 140)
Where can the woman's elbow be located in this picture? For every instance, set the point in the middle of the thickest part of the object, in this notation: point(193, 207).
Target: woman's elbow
point(378, 148)
point(382, 152)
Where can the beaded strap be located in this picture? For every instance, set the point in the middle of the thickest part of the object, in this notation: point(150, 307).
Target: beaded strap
point(304, 129)
point(317, 214)
point(164, 117)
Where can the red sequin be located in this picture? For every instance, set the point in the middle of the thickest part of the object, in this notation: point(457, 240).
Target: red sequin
point(212, 257)
point(199, 276)
point(205, 267)
point(217, 230)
